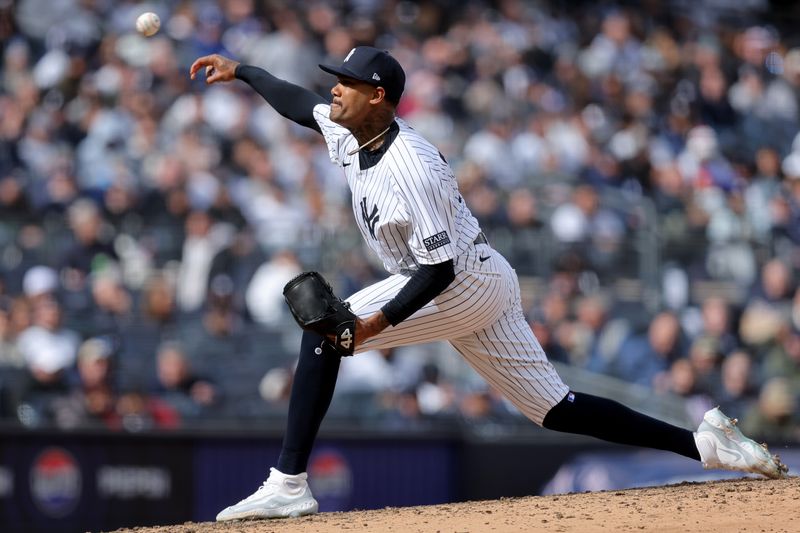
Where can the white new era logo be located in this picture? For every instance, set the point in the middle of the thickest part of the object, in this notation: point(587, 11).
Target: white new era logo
point(376, 77)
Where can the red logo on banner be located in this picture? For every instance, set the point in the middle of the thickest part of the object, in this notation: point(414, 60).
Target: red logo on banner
point(55, 482)
point(330, 475)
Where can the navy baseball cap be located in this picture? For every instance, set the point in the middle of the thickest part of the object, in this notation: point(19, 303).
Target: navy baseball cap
point(373, 66)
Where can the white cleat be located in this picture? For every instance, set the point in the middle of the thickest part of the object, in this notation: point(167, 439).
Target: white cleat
point(722, 445)
point(280, 496)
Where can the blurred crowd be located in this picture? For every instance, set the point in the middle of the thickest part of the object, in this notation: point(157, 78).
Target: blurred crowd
point(148, 223)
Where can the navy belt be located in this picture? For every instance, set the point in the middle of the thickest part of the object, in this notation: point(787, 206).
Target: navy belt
point(480, 239)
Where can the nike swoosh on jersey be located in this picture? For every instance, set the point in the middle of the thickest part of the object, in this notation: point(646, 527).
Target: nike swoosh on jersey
point(346, 164)
point(482, 259)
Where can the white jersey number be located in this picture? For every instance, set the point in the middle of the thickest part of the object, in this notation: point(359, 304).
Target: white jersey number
point(346, 339)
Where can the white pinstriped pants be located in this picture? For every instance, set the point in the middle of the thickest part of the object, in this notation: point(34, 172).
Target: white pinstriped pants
point(480, 315)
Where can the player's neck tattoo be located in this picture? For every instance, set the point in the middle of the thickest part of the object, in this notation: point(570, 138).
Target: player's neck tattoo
point(369, 127)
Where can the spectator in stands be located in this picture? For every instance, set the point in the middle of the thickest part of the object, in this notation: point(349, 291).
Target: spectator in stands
point(138, 411)
point(739, 386)
point(264, 294)
point(614, 50)
point(29, 248)
point(92, 400)
point(773, 418)
point(49, 351)
point(717, 324)
point(524, 220)
point(547, 319)
point(714, 107)
point(47, 347)
point(682, 381)
point(188, 394)
point(705, 357)
point(435, 395)
point(642, 358)
point(204, 239)
point(489, 149)
point(91, 248)
point(361, 382)
point(275, 387)
point(19, 316)
point(782, 358)
point(356, 272)
point(774, 286)
point(484, 403)
point(152, 320)
point(158, 308)
point(14, 204)
point(239, 262)
point(10, 356)
point(371, 374)
point(264, 202)
point(759, 327)
point(165, 206)
point(681, 221)
point(400, 408)
point(112, 305)
point(602, 334)
point(217, 337)
point(121, 207)
point(40, 282)
point(764, 188)
point(590, 228)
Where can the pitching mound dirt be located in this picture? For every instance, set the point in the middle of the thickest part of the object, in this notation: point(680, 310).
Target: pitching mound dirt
point(725, 506)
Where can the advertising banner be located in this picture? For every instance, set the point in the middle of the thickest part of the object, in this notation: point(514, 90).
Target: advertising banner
point(70, 484)
point(343, 474)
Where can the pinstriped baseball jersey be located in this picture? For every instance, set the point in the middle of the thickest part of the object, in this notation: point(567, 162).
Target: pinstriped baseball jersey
point(410, 212)
point(407, 206)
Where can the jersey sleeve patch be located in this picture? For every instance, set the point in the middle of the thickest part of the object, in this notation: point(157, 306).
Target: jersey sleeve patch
point(436, 241)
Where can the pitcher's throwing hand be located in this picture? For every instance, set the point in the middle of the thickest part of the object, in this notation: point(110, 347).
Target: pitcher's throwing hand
point(218, 68)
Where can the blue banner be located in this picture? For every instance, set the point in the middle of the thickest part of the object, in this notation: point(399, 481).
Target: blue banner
point(595, 471)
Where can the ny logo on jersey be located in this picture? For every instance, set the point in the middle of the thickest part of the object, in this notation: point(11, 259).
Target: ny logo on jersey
point(369, 220)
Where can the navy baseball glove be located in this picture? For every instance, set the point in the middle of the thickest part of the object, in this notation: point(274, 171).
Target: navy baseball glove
point(316, 308)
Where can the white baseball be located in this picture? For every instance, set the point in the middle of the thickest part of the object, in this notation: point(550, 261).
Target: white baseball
point(148, 24)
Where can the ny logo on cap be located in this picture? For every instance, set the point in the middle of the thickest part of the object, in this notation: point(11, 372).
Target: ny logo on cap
point(349, 55)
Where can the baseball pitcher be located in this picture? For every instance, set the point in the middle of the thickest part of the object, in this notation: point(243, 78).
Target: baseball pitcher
point(445, 282)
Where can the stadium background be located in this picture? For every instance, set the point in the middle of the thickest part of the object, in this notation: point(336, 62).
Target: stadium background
point(637, 162)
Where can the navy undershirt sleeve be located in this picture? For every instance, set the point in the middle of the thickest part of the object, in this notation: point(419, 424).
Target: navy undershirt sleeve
point(292, 101)
point(425, 285)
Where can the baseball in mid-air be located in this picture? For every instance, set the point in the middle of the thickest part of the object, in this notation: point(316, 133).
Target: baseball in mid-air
point(148, 24)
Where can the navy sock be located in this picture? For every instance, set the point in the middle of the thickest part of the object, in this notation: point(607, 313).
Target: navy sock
point(312, 390)
point(611, 421)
